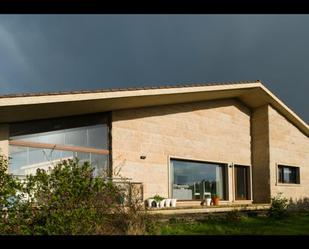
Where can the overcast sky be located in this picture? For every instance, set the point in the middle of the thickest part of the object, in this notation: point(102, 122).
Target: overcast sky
point(40, 53)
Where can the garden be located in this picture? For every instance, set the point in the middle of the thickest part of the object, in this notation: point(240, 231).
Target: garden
point(69, 200)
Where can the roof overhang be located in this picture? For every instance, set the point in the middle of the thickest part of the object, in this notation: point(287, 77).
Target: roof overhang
point(22, 108)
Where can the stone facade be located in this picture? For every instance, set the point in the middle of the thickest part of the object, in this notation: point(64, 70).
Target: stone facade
point(214, 131)
point(287, 146)
point(260, 155)
point(217, 131)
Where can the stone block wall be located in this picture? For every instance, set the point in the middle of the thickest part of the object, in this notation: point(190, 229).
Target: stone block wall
point(288, 146)
point(217, 131)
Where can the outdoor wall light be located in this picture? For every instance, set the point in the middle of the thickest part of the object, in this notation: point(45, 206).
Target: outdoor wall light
point(143, 157)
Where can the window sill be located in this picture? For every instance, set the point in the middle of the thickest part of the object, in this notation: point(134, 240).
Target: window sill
point(288, 185)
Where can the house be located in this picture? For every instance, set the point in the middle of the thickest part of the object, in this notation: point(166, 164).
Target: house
point(236, 140)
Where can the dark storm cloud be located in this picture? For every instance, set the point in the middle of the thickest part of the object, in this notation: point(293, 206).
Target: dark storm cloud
point(75, 52)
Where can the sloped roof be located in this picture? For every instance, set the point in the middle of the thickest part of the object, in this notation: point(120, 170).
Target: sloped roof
point(20, 107)
point(122, 89)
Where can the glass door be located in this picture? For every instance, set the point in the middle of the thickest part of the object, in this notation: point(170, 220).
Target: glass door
point(194, 180)
point(241, 175)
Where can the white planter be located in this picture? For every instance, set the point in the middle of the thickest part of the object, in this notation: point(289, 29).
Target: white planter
point(173, 202)
point(168, 202)
point(162, 203)
point(208, 201)
point(158, 204)
point(150, 202)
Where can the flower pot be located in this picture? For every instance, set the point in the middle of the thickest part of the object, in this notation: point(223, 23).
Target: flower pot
point(173, 202)
point(215, 201)
point(162, 203)
point(168, 202)
point(208, 201)
point(150, 202)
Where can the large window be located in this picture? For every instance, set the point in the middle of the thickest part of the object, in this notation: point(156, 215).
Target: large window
point(41, 144)
point(288, 174)
point(193, 180)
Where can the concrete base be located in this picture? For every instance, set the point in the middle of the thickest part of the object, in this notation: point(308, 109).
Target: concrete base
point(214, 209)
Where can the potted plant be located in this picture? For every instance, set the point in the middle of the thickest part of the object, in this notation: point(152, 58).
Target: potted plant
point(159, 200)
point(208, 200)
point(215, 199)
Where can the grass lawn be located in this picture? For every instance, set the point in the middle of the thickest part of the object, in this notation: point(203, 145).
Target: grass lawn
point(294, 224)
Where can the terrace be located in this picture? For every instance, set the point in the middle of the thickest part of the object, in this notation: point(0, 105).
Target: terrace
point(198, 209)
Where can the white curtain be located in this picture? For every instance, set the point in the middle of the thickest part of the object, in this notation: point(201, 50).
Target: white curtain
point(219, 181)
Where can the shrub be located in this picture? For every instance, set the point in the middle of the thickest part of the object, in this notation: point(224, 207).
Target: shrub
point(233, 216)
point(10, 200)
point(9, 186)
point(67, 200)
point(278, 206)
point(300, 205)
point(252, 214)
point(172, 220)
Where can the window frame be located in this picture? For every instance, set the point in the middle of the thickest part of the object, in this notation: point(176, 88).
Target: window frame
point(297, 168)
point(225, 175)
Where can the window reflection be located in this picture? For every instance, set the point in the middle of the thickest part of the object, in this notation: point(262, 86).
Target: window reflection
point(195, 180)
point(41, 144)
point(288, 174)
point(95, 136)
point(76, 137)
point(100, 162)
point(26, 160)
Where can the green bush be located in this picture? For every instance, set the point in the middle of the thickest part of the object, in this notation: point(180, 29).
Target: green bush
point(233, 216)
point(67, 200)
point(278, 208)
point(299, 205)
point(252, 214)
point(10, 199)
